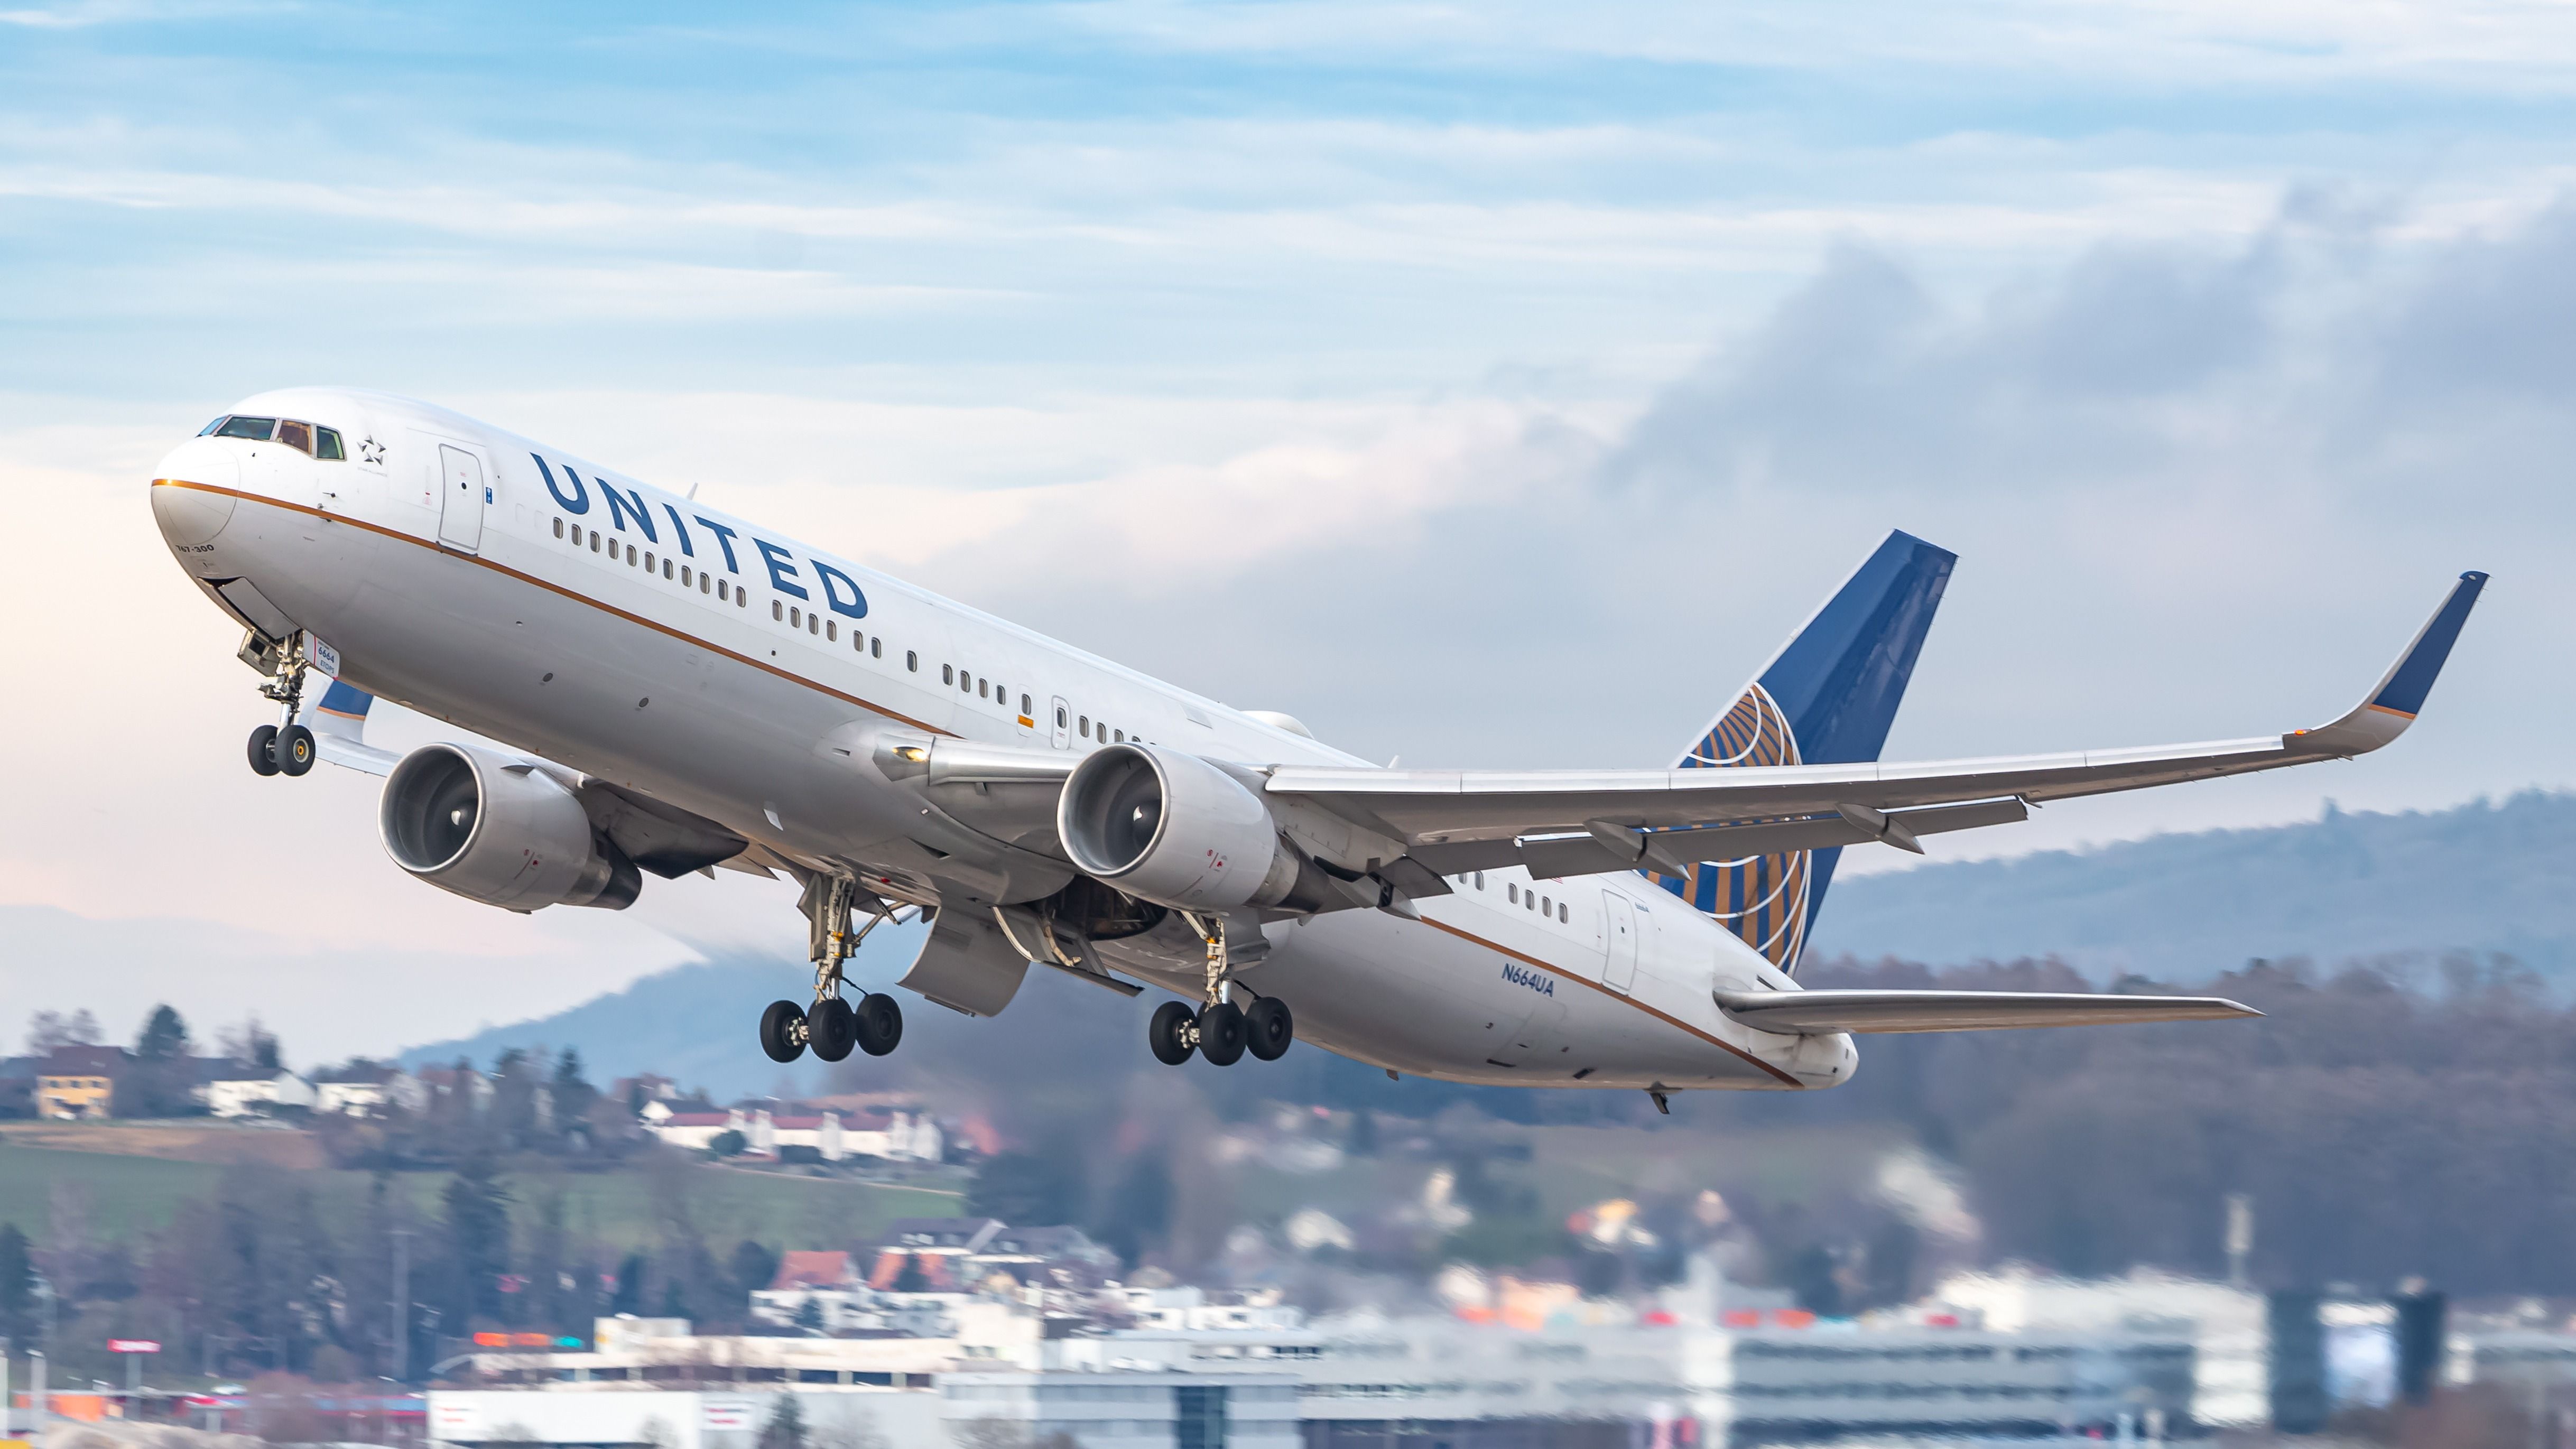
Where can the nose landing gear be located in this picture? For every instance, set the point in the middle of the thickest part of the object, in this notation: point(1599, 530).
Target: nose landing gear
point(1219, 1030)
point(285, 748)
point(832, 1026)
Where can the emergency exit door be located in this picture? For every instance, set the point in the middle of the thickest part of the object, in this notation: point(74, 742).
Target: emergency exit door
point(1619, 939)
point(462, 494)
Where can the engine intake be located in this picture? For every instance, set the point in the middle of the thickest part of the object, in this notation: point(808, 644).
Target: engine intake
point(1171, 828)
point(499, 830)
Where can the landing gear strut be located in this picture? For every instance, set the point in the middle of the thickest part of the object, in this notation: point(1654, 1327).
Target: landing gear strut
point(832, 1026)
point(286, 748)
point(1219, 1030)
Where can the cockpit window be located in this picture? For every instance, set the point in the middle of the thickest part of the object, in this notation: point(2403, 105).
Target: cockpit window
point(255, 429)
point(295, 435)
point(217, 423)
point(326, 445)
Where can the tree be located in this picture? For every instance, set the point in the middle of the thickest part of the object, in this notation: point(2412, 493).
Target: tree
point(158, 1082)
point(809, 1314)
point(786, 1426)
point(727, 1143)
point(47, 1030)
point(574, 1095)
point(251, 1042)
point(17, 1287)
point(478, 1236)
point(754, 1267)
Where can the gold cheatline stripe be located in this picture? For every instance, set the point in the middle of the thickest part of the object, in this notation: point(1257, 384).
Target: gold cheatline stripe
point(531, 579)
point(1667, 1018)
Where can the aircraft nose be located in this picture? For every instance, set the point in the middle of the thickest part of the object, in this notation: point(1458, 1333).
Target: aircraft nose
point(186, 500)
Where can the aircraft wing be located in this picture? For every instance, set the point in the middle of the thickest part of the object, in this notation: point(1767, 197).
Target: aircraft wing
point(1621, 819)
point(1810, 1012)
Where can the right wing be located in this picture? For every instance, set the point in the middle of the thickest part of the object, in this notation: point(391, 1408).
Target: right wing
point(1571, 822)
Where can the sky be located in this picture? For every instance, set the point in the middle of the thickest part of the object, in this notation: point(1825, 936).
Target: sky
point(1487, 385)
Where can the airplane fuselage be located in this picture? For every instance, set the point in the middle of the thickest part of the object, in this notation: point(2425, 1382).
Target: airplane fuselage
point(648, 640)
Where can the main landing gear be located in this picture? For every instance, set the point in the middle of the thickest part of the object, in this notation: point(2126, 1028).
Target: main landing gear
point(1219, 1030)
point(288, 748)
point(831, 1026)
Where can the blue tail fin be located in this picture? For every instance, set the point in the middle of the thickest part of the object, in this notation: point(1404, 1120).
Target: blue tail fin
point(1827, 698)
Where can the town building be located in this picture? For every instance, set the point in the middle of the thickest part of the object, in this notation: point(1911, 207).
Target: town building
point(242, 1091)
point(367, 1089)
point(79, 1082)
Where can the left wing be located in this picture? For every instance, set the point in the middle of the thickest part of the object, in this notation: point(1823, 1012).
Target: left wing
point(1811, 1012)
point(1598, 820)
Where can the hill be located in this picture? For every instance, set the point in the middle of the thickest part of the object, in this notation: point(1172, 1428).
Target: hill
point(2478, 878)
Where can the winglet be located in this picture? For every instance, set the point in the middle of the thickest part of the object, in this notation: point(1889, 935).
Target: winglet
point(2400, 694)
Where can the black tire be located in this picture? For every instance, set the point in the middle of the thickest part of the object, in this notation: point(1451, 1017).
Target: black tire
point(782, 1031)
point(263, 750)
point(1268, 1029)
point(832, 1028)
point(296, 751)
point(1169, 1035)
point(1221, 1034)
point(880, 1024)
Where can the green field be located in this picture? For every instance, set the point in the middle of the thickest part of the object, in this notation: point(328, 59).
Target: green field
point(118, 1194)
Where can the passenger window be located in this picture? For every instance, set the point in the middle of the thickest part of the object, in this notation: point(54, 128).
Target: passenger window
point(1546, 906)
point(255, 429)
point(594, 540)
point(980, 690)
point(648, 560)
point(832, 632)
point(876, 647)
point(720, 589)
point(326, 445)
point(1563, 913)
point(1027, 706)
point(298, 436)
point(742, 598)
point(1059, 719)
point(1122, 737)
point(558, 528)
point(1480, 880)
point(965, 682)
point(813, 623)
point(1086, 727)
point(666, 565)
point(948, 674)
point(1529, 900)
point(777, 609)
point(1512, 893)
point(912, 661)
point(630, 555)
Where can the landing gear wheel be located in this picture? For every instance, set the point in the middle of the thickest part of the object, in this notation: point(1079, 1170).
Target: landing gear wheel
point(880, 1024)
point(295, 751)
point(1169, 1034)
point(263, 750)
point(832, 1028)
point(1268, 1029)
point(1221, 1034)
point(782, 1031)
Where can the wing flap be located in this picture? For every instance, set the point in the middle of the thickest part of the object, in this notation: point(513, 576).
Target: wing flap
point(1813, 1012)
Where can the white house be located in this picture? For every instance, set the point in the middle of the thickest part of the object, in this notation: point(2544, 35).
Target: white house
point(903, 1134)
point(367, 1089)
point(243, 1091)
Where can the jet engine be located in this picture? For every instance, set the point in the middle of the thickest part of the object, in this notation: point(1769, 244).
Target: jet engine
point(499, 830)
point(1171, 828)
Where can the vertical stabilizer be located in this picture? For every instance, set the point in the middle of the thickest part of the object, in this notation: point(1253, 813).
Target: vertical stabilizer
point(1827, 698)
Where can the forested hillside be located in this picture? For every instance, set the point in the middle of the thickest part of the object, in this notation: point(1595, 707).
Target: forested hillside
point(2405, 889)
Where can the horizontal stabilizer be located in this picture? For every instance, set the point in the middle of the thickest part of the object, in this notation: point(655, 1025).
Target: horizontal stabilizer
point(1813, 1012)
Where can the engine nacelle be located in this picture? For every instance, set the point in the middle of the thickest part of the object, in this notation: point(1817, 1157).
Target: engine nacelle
point(1170, 828)
point(499, 830)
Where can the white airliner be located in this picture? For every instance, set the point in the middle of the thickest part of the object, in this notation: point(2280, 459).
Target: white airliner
point(684, 689)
